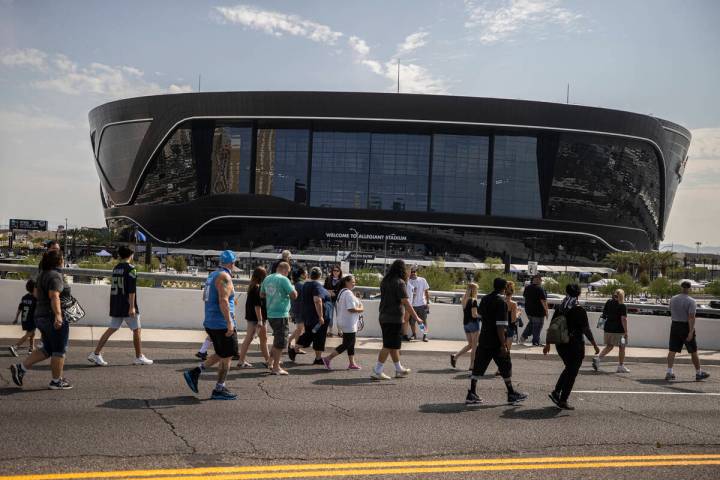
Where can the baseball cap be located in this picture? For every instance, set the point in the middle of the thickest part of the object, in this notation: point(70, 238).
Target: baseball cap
point(228, 256)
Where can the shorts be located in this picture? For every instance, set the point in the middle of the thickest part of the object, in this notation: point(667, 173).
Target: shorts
point(297, 319)
point(255, 322)
point(422, 312)
point(280, 332)
point(224, 346)
point(613, 339)
point(55, 342)
point(511, 330)
point(472, 327)
point(391, 335)
point(28, 325)
point(316, 339)
point(133, 323)
point(679, 332)
point(483, 356)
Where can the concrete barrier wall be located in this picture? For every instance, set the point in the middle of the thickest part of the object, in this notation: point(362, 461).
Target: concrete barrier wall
point(183, 309)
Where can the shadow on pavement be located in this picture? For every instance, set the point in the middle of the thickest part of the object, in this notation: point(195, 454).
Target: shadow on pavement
point(660, 382)
point(544, 413)
point(452, 407)
point(15, 390)
point(348, 382)
point(442, 371)
point(142, 404)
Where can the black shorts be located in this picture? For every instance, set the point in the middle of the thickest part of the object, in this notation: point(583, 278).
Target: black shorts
point(391, 335)
point(483, 356)
point(316, 339)
point(28, 325)
point(224, 346)
point(679, 332)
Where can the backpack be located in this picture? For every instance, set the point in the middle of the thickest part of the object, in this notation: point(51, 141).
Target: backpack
point(557, 332)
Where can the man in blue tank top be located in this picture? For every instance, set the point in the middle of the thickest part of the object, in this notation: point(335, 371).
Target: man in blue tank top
point(219, 297)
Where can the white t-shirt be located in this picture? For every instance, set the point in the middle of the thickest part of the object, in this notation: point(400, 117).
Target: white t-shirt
point(347, 321)
point(419, 286)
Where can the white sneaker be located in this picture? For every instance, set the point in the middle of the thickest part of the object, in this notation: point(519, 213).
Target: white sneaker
point(622, 369)
point(97, 359)
point(402, 373)
point(379, 376)
point(143, 360)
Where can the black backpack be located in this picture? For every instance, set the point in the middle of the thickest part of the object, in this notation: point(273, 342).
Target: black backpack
point(557, 332)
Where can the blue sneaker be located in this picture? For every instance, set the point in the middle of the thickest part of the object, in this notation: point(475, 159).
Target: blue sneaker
point(192, 377)
point(223, 394)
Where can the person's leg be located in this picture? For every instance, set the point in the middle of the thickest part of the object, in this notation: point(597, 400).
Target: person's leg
point(299, 329)
point(350, 346)
point(205, 346)
point(383, 355)
point(103, 340)
point(573, 367)
point(670, 360)
point(537, 328)
point(223, 367)
point(621, 354)
point(527, 332)
point(249, 334)
point(695, 360)
point(56, 366)
point(564, 355)
point(466, 348)
point(21, 340)
point(137, 342)
point(474, 345)
point(483, 357)
point(395, 355)
point(37, 356)
point(607, 349)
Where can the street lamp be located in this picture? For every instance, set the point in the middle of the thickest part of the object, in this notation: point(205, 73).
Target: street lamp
point(357, 244)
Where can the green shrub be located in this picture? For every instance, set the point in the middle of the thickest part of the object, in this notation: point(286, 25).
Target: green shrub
point(485, 278)
point(437, 277)
point(562, 282)
point(644, 279)
point(367, 277)
point(713, 288)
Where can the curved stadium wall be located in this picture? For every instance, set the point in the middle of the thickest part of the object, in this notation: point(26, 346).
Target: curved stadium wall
point(457, 177)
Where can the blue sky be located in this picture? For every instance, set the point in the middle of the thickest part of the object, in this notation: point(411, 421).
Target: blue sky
point(58, 59)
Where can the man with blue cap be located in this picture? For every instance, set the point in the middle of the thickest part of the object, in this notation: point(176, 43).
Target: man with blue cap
point(219, 297)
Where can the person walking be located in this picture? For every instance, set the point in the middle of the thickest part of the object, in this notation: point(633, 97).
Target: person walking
point(573, 352)
point(349, 309)
point(512, 313)
point(420, 301)
point(408, 333)
point(256, 318)
point(277, 291)
point(123, 308)
point(299, 277)
point(316, 307)
point(285, 256)
point(54, 328)
point(26, 314)
point(332, 285)
point(682, 332)
point(536, 308)
point(492, 346)
point(471, 324)
point(615, 330)
point(219, 323)
point(394, 303)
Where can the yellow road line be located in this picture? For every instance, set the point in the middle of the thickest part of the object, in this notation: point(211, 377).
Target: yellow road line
point(308, 468)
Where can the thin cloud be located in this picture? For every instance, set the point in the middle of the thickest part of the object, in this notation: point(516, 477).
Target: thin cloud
point(359, 46)
point(27, 57)
point(18, 121)
point(412, 42)
point(498, 21)
point(277, 23)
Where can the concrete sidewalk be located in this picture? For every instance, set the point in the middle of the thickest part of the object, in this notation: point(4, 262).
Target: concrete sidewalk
point(191, 339)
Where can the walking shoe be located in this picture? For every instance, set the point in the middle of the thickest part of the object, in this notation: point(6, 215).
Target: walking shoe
point(191, 378)
point(17, 374)
point(13, 350)
point(143, 360)
point(701, 376)
point(292, 353)
point(453, 361)
point(669, 376)
point(402, 373)
point(555, 397)
point(326, 362)
point(516, 397)
point(596, 363)
point(406, 338)
point(379, 376)
point(222, 394)
point(623, 369)
point(97, 359)
point(318, 361)
point(522, 340)
point(354, 366)
point(279, 372)
point(565, 405)
point(425, 339)
point(201, 355)
point(61, 384)
point(472, 398)
point(30, 350)
point(245, 364)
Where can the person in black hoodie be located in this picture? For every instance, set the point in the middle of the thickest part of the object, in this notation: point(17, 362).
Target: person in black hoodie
point(573, 352)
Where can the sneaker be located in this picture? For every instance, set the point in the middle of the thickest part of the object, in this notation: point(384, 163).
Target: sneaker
point(30, 350)
point(279, 372)
point(555, 398)
point(516, 397)
point(143, 360)
point(453, 361)
point(191, 378)
point(472, 398)
point(245, 364)
point(13, 350)
point(523, 340)
point(97, 359)
point(701, 376)
point(61, 384)
point(622, 369)
point(379, 376)
point(402, 373)
point(222, 394)
point(596, 363)
point(354, 366)
point(201, 355)
point(318, 361)
point(326, 362)
point(425, 339)
point(406, 338)
point(669, 376)
point(565, 406)
point(292, 353)
point(17, 374)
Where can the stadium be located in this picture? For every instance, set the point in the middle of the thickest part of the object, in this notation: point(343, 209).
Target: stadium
point(417, 176)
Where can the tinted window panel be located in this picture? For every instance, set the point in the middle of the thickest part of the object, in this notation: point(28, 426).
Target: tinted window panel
point(282, 159)
point(516, 188)
point(399, 170)
point(231, 159)
point(118, 147)
point(459, 174)
point(340, 169)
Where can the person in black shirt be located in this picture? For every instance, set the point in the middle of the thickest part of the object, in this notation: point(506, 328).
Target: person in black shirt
point(573, 352)
point(536, 308)
point(492, 346)
point(123, 308)
point(616, 333)
point(26, 312)
point(256, 317)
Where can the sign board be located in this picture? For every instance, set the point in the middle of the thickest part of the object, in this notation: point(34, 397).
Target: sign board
point(361, 256)
point(532, 268)
point(345, 266)
point(341, 255)
point(18, 224)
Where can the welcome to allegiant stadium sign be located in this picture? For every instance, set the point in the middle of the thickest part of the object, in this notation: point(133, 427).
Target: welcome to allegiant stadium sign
point(366, 236)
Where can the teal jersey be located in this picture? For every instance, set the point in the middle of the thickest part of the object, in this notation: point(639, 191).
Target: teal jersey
point(277, 289)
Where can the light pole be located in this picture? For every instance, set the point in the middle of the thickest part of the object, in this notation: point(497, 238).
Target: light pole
point(357, 244)
point(385, 257)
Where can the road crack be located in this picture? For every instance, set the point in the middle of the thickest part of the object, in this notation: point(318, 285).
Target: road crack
point(170, 424)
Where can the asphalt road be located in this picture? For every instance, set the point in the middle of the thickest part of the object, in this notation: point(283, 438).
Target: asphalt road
point(124, 417)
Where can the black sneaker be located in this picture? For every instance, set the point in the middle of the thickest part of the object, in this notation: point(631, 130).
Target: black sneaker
point(425, 339)
point(292, 353)
point(223, 394)
point(17, 374)
point(13, 350)
point(61, 384)
point(192, 377)
point(318, 361)
point(555, 398)
point(453, 361)
point(699, 377)
point(516, 397)
point(201, 355)
point(565, 406)
point(472, 399)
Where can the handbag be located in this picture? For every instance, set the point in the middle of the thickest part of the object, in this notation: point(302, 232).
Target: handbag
point(72, 311)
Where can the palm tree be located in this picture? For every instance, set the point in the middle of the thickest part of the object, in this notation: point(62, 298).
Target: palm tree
point(620, 261)
point(664, 260)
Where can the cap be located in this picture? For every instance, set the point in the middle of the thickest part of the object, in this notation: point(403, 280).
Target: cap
point(228, 256)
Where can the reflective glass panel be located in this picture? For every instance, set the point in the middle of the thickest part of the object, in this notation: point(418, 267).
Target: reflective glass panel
point(399, 171)
point(516, 188)
point(340, 168)
point(119, 145)
point(459, 174)
point(282, 159)
point(231, 159)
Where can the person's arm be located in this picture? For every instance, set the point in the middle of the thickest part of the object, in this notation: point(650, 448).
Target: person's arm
point(427, 295)
point(545, 307)
point(691, 327)
point(223, 284)
point(501, 322)
point(513, 312)
point(586, 330)
point(474, 310)
point(54, 296)
point(258, 313)
point(17, 315)
point(354, 305)
point(409, 308)
point(130, 287)
point(131, 300)
point(623, 320)
point(293, 294)
point(319, 309)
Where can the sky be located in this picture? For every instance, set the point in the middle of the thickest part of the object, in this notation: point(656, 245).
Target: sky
point(59, 59)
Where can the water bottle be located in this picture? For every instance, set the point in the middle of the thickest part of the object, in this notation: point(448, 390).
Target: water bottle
point(422, 328)
point(623, 341)
point(316, 328)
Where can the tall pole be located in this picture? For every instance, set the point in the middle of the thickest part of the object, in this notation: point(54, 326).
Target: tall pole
point(567, 94)
point(385, 257)
point(65, 246)
point(398, 77)
point(357, 244)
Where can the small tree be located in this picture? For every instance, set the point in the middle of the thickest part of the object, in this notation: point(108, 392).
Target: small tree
point(660, 287)
point(367, 277)
point(180, 264)
point(713, 288)
point(644, 279)
point(155, 263)
point(437, 277)
point(561, 282)
point(595, 277)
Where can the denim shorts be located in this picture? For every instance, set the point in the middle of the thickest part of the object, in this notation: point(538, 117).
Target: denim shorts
point(472, 327)
point(55, 341)
point(133, 323)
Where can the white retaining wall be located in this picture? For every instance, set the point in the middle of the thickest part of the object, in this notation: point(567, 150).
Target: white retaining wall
point(183, 309)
